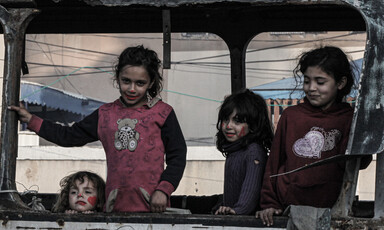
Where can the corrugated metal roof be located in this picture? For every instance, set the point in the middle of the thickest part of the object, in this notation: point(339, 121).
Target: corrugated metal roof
point(57, 99)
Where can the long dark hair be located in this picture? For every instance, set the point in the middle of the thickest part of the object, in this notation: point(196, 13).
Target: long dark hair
point(333, 61)
point(252, 109)
point(140, 56)
point(62, 202)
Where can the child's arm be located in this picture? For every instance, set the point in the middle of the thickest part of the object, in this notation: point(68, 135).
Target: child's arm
point(78, 134)
point(250, 189)
point(176, 151)
point(269, 201)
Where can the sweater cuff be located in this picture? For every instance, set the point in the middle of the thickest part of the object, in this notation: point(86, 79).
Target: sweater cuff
point(35, 124)
point(166, 188)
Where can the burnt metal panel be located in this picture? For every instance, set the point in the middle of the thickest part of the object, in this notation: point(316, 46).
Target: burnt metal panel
point(215, 17)
point(14, 22)
point(17, 3)
point(368, 126)
point(166, 39)
point(202, 221)
point(367, 131)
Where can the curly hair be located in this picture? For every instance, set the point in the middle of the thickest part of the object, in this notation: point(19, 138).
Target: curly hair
point(333, 61)
point(148, 59)
point(62, 202)
point(252, 109)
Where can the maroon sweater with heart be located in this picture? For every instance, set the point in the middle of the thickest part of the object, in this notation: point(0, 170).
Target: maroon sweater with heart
point(306, 134)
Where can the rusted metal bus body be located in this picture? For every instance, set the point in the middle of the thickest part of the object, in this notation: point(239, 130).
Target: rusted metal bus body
point(236, 22)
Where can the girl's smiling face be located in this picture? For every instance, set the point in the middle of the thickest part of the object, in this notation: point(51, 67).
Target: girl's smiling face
point(134, 81)
point(321, 88)
point(83, 196)
point(234, 129)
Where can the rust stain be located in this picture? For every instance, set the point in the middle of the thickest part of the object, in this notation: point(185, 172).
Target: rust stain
point(60, 222)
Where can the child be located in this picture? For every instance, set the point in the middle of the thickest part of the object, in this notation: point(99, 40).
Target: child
point(244, 136)
point(81, 192)
point(136, 131)
point(311, 131)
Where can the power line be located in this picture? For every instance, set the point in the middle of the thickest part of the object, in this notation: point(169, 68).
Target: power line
point(71, 48)
point(272, 47)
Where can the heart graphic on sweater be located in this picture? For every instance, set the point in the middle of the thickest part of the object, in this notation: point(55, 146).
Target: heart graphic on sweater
point(331, 138)
point(310, 146)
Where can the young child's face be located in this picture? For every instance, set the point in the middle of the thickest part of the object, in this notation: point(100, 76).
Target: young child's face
point(83, 196)
point(134, 81)
point(233, 129)
point(320, 88)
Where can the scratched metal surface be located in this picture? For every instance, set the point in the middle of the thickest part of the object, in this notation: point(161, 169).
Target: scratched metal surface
point(174, 3)
point(169, 3)
point(368, 125)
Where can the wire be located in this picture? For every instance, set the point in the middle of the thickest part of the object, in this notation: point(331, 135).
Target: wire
point(71, 48)
point(26, 190)
point(58, 80)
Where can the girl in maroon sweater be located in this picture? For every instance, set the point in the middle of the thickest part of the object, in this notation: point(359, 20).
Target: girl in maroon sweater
point(309, 132)
point(244, 136)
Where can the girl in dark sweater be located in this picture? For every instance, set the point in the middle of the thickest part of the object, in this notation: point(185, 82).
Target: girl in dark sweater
point(244, 137)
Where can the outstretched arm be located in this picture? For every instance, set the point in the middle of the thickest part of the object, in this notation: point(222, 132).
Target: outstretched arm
point(79, 134)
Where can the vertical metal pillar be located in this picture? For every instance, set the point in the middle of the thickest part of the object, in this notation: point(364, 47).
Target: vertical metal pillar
point(166, 39)
point(379, 187)
point(343, 206)
point(237, 55)
point(14, 22)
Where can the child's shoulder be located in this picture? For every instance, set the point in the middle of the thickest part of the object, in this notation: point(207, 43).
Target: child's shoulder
point(255, 150)
point(294, 108)
point(161, 103)
point(255, 147)
point(162, 106)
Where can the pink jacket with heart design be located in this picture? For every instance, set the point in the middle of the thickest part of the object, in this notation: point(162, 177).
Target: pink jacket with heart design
point(306, 134)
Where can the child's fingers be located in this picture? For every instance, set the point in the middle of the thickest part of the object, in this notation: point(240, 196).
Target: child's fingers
point(231, 211)
point(223, 210)
point(266, 216)
point(158, 201)
point(270, 218)
point(220, 211)
point(14, 108)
